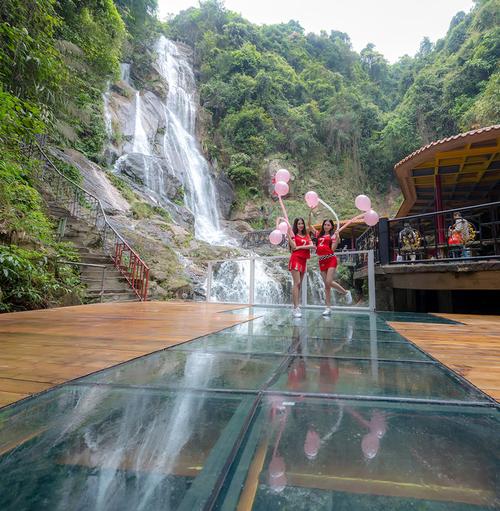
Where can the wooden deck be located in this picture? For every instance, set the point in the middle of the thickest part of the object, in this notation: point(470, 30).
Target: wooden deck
point(43, 348)
point(471, 349)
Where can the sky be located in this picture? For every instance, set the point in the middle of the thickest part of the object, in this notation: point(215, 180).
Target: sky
point(396, 27)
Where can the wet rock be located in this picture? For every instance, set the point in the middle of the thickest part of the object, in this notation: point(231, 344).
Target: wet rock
point(152, 172)
point(225, 192)
point(94, 180)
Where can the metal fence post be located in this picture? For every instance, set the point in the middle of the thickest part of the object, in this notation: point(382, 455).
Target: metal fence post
point(102, 283)
point(209, 280)
point(251, 291)
point(304, 290)
point(371, 281)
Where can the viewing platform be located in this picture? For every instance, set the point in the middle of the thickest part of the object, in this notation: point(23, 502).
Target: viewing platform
point(210, 406)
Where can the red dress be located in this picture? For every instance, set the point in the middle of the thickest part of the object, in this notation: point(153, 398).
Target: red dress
point(327, 257)
point(298, 259)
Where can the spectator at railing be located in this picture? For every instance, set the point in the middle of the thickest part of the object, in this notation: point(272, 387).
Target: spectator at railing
point(460, 234)
point(409, 242)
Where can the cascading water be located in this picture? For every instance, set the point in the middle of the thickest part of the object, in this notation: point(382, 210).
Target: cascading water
point(107, 114)
point(180, 146)
point(140, 449)
point(125, 72)
point(141, 143)
point(182, 153)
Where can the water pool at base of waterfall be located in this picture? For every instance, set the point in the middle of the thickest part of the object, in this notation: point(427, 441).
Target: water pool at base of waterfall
point(274, 413)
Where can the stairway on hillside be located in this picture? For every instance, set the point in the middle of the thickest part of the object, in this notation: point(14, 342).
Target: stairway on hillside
point(87, 243)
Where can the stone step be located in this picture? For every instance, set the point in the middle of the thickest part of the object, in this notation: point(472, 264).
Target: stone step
point(107, 292)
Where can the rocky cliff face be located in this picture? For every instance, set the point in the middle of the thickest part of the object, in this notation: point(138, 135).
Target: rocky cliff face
point(142, 191)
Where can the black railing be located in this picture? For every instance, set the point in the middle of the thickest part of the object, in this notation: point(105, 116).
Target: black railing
point(453, 235)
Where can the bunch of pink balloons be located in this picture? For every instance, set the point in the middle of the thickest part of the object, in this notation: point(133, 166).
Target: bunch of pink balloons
point(363, 203)
point(281, 182)
point(281, 188)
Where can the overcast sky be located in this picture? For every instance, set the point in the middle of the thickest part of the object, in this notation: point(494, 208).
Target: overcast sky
point(396, 27)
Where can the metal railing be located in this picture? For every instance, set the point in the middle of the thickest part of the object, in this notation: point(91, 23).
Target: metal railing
point(84, 205)
point(426, 238)
point(243, 288)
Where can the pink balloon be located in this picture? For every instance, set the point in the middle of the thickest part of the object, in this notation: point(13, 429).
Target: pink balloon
point(371, 217)
point(370, 445)
point(363, 203)
point(378, 424)
point(282, 175)
point(281, 188)
point(276, 237)
point(312, 444)
point(283, 227)
point(276, 476)
point(312, 199)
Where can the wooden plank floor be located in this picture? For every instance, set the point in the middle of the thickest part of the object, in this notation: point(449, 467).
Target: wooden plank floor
point(472, 349)
point(39, 349)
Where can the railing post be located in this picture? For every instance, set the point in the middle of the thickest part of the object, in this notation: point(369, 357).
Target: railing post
point(209, 280)
point(251, 291)
point(304, 290)
point(371, 281)
point(383, 241)
point(102, 283)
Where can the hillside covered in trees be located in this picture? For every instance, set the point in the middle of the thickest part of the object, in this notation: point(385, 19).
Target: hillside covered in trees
point(341, 117)
point(338, 119)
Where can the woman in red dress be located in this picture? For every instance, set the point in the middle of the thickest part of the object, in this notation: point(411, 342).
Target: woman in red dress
point(300, 246)
point(327, 241)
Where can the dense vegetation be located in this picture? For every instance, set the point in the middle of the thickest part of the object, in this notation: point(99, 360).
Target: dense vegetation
point(55, 60)
point(335, 116)
point(341, 117)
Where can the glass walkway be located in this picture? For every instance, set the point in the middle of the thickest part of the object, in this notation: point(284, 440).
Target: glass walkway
point(314, 414)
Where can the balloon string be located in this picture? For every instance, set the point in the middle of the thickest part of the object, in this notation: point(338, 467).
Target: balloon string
point(284, 211)
point(279, 220)
point(353, 219)
point(332, 211)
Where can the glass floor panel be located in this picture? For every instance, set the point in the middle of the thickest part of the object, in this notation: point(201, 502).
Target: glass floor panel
point(343, 347)
point(103, 448)
point(192, 369)
point(351, 334)
point(203, 426)
point(323, 454)
point(360, 349)
point(344, 377)
point(416, 317)
point(239, 343)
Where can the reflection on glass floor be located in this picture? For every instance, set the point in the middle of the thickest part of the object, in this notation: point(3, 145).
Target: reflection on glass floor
point(276, 413)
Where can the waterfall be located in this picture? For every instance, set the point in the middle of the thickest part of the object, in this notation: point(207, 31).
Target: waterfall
point(183, 156)
point(141, 143)
point(125, 72)
point(180, 146)
point(108, 125)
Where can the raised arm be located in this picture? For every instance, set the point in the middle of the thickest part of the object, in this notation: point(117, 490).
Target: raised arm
point(310, 227)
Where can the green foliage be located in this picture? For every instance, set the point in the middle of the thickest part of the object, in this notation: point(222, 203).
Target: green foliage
point(29, 279)
point(21, 214)
point(274, 89)
point(122, 185)
point(142, 210)
point(30, 65)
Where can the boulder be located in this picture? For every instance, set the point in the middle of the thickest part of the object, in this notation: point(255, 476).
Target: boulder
point(153, 172)
point(225, 192)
